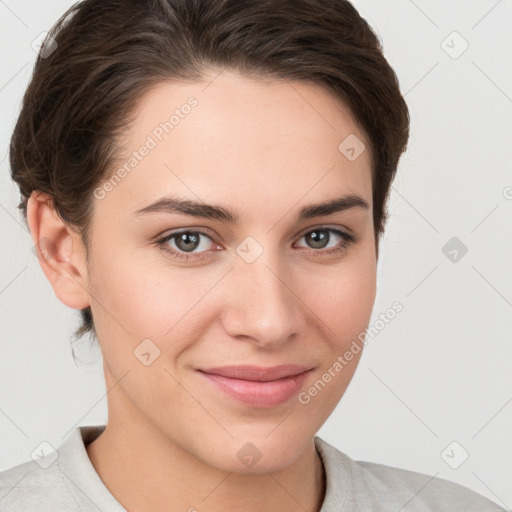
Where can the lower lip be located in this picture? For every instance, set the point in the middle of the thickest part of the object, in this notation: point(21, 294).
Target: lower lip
point(259, 394)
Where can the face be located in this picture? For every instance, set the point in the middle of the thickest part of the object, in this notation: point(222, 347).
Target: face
point(253, 283)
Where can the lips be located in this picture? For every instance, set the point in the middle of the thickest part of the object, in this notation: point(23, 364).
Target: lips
point(257, 374)
point(257, 386)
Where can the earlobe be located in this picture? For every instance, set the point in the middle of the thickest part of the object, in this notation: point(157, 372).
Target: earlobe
point(59, 250)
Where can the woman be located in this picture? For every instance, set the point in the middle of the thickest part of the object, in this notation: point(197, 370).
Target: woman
point(265, 136)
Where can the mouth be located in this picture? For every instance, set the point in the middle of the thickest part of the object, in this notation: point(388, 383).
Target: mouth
point(258, 386)
point(257, 373)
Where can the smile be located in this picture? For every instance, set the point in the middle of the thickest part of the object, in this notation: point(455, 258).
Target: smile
point(258, 387)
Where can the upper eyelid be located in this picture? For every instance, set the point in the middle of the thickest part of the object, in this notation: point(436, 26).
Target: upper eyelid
point(202, 231)
point(327, 227)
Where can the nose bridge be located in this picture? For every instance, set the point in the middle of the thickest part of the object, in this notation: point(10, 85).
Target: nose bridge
point(262, 303)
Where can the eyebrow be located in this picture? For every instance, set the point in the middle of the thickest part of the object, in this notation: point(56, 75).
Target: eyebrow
point(169, 204)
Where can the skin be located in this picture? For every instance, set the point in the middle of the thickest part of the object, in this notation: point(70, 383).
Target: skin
point(264, 150)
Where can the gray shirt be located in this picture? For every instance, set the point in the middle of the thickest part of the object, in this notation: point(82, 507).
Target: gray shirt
point(70, 484)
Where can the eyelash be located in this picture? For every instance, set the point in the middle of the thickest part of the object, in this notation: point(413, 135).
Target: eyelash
point(348, 239)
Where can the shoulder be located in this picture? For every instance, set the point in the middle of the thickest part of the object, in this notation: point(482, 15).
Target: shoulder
point(25, 487)
point(424, 492)
point(61, 480)
point(388, 488)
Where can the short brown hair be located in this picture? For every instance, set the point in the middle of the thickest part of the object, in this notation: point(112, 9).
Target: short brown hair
point(110, 52)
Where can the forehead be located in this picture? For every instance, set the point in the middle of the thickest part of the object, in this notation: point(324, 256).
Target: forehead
point(231, 139)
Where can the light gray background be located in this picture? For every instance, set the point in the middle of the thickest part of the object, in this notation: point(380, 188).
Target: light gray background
point(441, 370)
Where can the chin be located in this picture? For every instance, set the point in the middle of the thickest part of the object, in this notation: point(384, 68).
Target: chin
point(256, 454)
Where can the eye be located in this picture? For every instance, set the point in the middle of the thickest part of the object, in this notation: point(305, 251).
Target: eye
point(184, 243)
point(193, 244)
point(326, 241)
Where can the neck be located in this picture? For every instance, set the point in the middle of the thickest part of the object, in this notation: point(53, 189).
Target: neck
point(146, 471)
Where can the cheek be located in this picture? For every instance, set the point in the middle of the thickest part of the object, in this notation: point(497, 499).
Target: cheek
point(136, 298)
point(344, 306)
point(356, 300)
point(343, 299)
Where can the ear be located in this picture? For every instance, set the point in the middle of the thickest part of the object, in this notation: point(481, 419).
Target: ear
point(60, 251)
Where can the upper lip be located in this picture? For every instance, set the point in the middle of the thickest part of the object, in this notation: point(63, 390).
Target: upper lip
point(257, 373)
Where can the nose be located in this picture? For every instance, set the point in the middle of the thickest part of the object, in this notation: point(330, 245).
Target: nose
point(261, 304)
